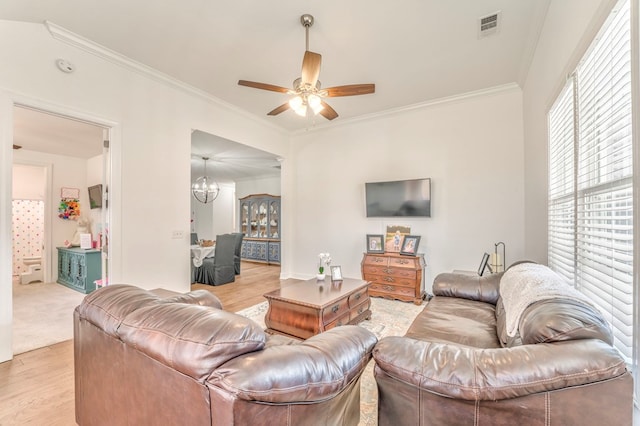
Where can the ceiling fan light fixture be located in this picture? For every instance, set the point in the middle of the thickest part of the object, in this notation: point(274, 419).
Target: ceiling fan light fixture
point(315, 103)
point(296, 102)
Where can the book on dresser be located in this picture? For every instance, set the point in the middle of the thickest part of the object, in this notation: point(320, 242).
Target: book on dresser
point(395, 276)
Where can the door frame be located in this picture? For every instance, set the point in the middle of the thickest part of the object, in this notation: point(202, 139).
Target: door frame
point(8, 100)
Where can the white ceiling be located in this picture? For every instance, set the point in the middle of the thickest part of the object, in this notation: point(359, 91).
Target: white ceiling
point(414, 51)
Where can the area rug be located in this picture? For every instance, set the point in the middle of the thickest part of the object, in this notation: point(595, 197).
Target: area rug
point(42, 315)
point(388, 318)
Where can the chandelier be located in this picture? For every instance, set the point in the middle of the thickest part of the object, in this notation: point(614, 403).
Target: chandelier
point(205, 189)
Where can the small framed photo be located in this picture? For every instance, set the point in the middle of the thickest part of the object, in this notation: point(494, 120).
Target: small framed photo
point(410, 245)
point(375, 243)
point(484, 264)
point(336, 273)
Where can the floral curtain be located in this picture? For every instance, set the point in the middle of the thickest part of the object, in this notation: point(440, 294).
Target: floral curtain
point(28, 231)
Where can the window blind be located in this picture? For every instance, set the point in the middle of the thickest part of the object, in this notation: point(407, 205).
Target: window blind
point(590, 178)
point(561, 214)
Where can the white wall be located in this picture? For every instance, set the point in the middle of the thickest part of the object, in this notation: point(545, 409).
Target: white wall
point(28, 182)
point(471, 148)
point(94, 177)
point(569, 28)
point(217, 217)
point(262, 185)
point(151, 124)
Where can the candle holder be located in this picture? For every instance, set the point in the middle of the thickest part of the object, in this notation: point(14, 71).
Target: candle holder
point(497, 263)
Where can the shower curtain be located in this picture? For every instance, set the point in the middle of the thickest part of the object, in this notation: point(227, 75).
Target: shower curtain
point(28, 231)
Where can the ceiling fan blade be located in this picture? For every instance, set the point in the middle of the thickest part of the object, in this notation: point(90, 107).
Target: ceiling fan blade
point(281, 108)
point(350, 90)
point(311, 68)
point(328, 112)
point(263, 86)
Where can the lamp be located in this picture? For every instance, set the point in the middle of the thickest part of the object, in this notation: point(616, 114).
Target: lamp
point(205, 189)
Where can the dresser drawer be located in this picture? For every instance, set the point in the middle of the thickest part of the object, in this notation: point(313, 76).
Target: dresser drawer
point(391, 289)
point(376, 260)
point(336, 310)
point(375, 269)
point(393, 280)
point(403, 262)
point(401, 273)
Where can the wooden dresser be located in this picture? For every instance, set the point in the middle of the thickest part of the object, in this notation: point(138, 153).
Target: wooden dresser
point(395, 276)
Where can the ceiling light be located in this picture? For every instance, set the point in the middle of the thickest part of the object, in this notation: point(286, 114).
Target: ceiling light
point(205, 189)
point(315, 103)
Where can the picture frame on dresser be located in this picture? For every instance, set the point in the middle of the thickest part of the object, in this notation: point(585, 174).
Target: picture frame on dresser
point(375, 243)
point(336, 273)
point(410, 245)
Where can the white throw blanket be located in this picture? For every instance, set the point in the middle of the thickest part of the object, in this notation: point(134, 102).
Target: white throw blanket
point(527, 283)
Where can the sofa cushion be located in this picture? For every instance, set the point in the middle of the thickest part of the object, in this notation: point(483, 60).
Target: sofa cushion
point(454, 320)
point(473, 287)
point(501, 328)
point(558, 320)
point(192, 339)
point(108, 306)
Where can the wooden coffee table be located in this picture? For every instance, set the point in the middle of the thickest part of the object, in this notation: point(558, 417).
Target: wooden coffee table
point(308, 308)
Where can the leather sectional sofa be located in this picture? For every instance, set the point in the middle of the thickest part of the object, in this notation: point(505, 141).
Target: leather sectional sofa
point(459, 365)
point(144, 360)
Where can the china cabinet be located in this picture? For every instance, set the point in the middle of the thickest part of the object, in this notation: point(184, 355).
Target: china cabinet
point(260, 224)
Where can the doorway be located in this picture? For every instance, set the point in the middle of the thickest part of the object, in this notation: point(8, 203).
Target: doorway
point(73, 155)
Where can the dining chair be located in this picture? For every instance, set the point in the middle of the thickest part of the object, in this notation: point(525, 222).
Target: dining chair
point(237, 250)
point(219, 269)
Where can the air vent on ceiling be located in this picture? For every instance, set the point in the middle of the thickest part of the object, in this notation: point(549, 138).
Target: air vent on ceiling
point(488, 25)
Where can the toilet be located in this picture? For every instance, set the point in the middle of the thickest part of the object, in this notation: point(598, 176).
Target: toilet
point(34, 273)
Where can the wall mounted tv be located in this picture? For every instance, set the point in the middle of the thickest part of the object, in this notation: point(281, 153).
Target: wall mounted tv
point(410, 198)
point(95, 196)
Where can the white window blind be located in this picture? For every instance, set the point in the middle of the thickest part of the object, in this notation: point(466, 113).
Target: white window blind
point(562, 187)
point(590, 181)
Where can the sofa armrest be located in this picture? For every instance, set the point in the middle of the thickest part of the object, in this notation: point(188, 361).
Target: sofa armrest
point(196, 297)
point(313, 370)
point(474, 287)
point(494, 374)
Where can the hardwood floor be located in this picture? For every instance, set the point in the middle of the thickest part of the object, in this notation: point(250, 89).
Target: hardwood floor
point(37, 387)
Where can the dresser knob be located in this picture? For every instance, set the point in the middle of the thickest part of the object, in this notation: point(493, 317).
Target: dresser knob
point(335, 309)
point(388, 279)
point(358, 296)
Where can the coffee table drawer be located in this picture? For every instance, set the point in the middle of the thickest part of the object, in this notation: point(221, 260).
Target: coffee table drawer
point(335, 310)
point(343, 320)
point(356, 311)
point(358, 297)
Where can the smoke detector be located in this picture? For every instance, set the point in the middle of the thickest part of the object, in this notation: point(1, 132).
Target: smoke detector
point(489, 24)
point(65, 66)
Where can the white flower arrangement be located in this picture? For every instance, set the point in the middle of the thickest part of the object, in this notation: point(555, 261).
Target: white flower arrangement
point(325, 260)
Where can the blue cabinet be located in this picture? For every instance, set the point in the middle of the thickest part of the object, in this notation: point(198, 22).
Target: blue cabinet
point(79, 268)
point(260, 224)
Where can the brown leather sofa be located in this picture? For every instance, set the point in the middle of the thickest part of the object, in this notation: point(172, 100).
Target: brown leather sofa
point(456, 365)
point(144, 360)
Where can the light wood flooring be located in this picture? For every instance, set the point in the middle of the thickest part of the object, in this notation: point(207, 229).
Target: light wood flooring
point(37, 387)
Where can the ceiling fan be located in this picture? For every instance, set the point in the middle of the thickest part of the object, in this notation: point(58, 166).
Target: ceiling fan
point(307, 92)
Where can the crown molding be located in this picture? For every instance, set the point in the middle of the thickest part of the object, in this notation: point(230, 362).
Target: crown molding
point(68, 37)
point(421, 105)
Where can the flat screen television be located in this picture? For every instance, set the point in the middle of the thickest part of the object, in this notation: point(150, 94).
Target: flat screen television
point(95, 196)
point(411, 198)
